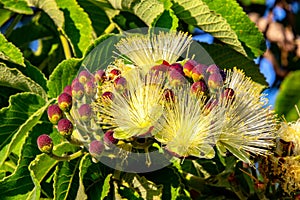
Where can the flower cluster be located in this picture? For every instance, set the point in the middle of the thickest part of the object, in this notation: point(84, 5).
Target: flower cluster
point(185, 107)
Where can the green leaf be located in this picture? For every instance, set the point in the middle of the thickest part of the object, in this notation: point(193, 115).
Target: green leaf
point(43, 164)
point(63, 75)
point(15, 79)
point(100, 54)
point(97, 15)
point(289, 96)
point(245, 29)
point(19, 184)
point(167, 20)
point(23, 113)
point(18, 6)
point(77, 27)
point(197, 13)
point(94, 178)
point(227, 58)
point(50, 7)
point(145, 188)
point(66, 179)
point(10, 52)
point(146, 10)
point(5, 16)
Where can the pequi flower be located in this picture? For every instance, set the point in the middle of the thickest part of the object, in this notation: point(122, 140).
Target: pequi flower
point(247, 127)
point(135, 112)
point(185, 129)
point(146, 50)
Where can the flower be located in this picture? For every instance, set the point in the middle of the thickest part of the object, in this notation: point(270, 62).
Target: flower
point(135, 112)
point(247, 126)
point(146, 50)
point(184, 128)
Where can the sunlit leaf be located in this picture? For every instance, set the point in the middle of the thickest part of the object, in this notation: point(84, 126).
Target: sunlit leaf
point(5, 16)
point(245, 29)
point(77, 26)
point(63, 75)
point(10, 52)
point(12, 77)
point(197, 13)
point(18, 6)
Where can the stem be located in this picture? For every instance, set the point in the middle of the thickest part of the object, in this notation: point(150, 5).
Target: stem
point(110, 28)
point(67, 157)
point(12, 25)
point(65, 45)
point(75, 141)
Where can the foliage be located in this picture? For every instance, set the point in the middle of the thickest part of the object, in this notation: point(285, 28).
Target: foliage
point(66, 31)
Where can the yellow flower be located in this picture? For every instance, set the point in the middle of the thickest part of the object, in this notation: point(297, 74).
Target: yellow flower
point(291, 132)
point(247, 126)
point(185, 129)
point(146, 50)
point(135, 112)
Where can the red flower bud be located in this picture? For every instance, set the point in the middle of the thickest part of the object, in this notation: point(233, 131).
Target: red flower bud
point(65, 102)
point(213, 69)
point(107, 97)
point(168, 95)
point(199, 88)
point(198, 72)
point(176, 78)
point(54, 113)
point(109, 138)
point(45, 143)
point(90, 89)
point(85, 112)
point(178, 67)
point(68, 90)
point(65, 127)
point(215, 81)
point(228, 94)
point(77, 90)
point(84, 76)
point(96, 148)
point(100, 76)
point(120, 84)
point(188, 67)
point(113, 74)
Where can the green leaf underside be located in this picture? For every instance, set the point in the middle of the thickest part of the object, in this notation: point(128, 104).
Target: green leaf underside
point(50, 7)
point(94, 178)
point(66, 179)
point(23, 113)
point(289, 96)
point(19, 185)
point(97, 15)
point(197, 13)
point(167, 20)
point(12, 77)
point(9, 52)
point(77, 26)
point(245, 29)
point(63, 75)
point(43, 164)
point(20, 6)
point(5, 16)
point(146, 10)
point(227, 58)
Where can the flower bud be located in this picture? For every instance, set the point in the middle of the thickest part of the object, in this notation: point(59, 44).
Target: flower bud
point(68, 90)
point(107, 97)
point(161, 68)
point(109, 138)
point(168, 95)
point(209, 106)
point(75, 80)
point(77, 90)
point(176, 78)
point(120, 84)
point(45, 143)
point(188, 67)
point(85, 112)
point(114, 73)
point(100, 76)
point(84, 76)
point(96, 148)
point(198, 72)
point(215, 81)
point(65, 102)
point(199, 88)
point(228, 94)
point(65, 127)
point(90, 89)
point(213, 69)
point(54, 113)
point(223, 74)
point(178, 67)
